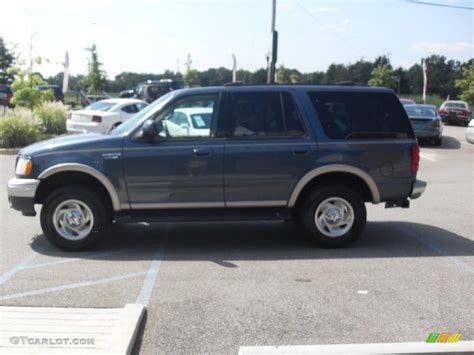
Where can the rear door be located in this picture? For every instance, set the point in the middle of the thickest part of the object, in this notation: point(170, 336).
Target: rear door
point(267, 148)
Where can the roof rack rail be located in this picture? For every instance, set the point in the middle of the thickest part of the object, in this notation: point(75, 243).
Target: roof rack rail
point(234, 83)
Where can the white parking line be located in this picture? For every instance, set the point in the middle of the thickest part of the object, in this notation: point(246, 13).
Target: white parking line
point(22, 264)
point(461, 264)
point(84, 256)
point(347, 349)
point(150, 279)
point(427, 156)
point(71, 286)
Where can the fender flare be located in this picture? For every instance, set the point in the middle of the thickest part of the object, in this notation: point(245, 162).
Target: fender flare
point(334, 168)
point(66, 167)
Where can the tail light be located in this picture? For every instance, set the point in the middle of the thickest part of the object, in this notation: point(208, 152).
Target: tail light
point(415, 158)
point(463, 113)
point(97, 119)
point(436, 124)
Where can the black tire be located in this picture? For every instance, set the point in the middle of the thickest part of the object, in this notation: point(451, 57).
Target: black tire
point(100, 210)
point(438, 141)
point(309, 207)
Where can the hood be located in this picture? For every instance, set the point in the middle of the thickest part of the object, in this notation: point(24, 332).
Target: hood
point(72, 142)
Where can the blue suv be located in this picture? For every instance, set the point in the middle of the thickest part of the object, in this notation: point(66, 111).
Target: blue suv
point(316, 154)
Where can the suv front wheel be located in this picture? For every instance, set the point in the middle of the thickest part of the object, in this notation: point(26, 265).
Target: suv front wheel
point(74, 217)
point(334, 216)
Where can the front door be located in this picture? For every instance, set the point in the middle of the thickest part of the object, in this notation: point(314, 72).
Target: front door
point(183, 166)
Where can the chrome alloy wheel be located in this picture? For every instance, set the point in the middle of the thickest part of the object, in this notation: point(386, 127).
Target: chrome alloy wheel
point(334, 217)
point(73, 220)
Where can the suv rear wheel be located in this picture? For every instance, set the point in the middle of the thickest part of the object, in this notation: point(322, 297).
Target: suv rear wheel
point(74, 217)
point(334, 216)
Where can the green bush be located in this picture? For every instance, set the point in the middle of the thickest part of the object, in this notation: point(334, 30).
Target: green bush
point(18, 128)
point(53, 117)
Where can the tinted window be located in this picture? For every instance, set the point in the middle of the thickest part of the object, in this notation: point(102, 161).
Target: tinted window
point(352, 115)
point(130, 109)
point(5, 89)
point(263, 114)
point(294, 123)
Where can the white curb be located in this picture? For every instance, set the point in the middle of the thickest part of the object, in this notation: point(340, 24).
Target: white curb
point(352, 349)
point(42, 330)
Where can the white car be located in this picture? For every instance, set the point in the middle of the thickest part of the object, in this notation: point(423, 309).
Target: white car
point(470, 132)
point(189, 122)
point(103, 115)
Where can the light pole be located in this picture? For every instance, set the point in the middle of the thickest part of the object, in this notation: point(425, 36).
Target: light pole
point(271, 79)
point(234, 68)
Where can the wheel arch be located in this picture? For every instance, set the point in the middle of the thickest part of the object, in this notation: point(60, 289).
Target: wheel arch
point(331, 173)
point(76, 168)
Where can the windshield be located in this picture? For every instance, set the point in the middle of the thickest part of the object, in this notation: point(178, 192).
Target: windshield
point(147, 111)
point(421, 111)
point(101, 106)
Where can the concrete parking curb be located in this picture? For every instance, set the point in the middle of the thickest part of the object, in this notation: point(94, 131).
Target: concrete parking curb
point(52, 330)
point(9, 151)
point(353, 349)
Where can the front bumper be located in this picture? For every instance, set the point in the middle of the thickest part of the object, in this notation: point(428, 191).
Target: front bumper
point(21, 194)
point(418, 189)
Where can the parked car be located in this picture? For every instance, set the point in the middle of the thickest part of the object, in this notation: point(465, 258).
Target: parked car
point(407, 101)
point(57, 91)
point(151, 90)
point(470, 132)
point(426, 122)
point(455, 112)
point(104, 115)
point(313, 153)
point(6, 95)
point(189, 122)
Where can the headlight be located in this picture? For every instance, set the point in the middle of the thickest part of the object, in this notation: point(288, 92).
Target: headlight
point(23, 167)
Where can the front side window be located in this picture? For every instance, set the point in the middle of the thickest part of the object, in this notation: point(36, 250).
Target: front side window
point(361, 115)
point(189, 117)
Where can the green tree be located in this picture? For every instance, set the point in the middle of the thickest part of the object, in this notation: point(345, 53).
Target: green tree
point(95, 80)
point(466, 84)
point(383, 75)
point(24, 85)
point(7, 59)
point(192, 78)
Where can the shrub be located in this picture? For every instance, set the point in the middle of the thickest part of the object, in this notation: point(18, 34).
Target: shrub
point(18, 128)
point(53, 117)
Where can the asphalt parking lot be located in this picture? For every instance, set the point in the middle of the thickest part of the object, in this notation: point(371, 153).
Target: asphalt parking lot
point(213, 287)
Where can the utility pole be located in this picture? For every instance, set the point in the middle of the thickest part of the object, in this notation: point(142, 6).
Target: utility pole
point(274, 45)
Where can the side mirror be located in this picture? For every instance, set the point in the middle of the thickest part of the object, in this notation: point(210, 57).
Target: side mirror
point(151, 128)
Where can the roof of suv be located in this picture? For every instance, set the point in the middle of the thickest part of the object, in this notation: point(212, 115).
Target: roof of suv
point(277, 87)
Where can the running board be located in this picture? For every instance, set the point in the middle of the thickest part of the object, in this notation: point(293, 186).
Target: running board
point(203, 215)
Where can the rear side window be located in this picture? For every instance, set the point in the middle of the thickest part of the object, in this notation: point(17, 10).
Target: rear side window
point(359, 115)
point(264, 114)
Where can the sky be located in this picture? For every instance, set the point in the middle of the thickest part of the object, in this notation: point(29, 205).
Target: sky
point(155, 35)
